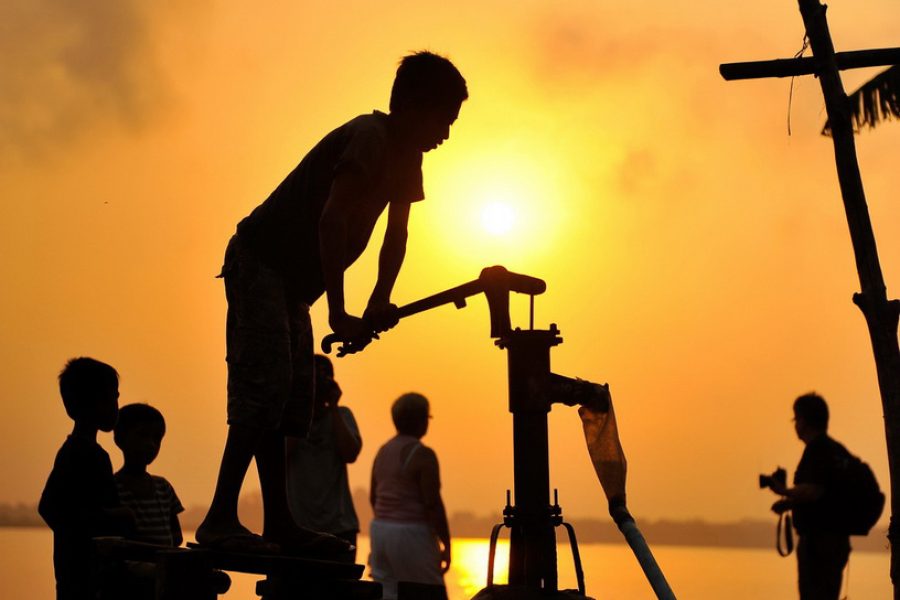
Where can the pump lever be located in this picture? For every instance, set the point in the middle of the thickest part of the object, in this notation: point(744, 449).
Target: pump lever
point(495, 282)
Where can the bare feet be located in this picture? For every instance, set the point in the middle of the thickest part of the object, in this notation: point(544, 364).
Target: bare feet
point(233, 537)
point(302, 542)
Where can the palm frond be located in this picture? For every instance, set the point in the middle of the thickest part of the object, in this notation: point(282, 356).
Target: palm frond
point(877, 100)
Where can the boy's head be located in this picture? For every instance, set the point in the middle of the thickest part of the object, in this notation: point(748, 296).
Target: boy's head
point(90, 392)
point(410, 413)
point(139, 433)
point(428, 91)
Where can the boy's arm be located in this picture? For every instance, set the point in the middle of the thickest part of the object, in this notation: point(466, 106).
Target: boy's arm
point(379, 311)
point(175, 526)
point(66, 506)
point(175, 507)
point(53, 508)
point(333, 224)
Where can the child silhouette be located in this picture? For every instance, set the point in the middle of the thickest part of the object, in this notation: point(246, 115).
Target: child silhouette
point(139, 434)
point(79, 501)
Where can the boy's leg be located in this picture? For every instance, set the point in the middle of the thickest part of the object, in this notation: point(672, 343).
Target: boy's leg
point(268, 338)
point(279, 526)
point(222, 518)
point(270, 465)
point(295, 419)
point(258, 356)
point(278, 522)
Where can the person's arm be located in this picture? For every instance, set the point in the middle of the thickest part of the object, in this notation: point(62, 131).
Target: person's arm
point(346, 438)
point(426, 464)
point(346, 434)
point(333, 226)
point(801, 493)
point(380, 311)
point(804, 492)
point(816, 465)
point(372, 486)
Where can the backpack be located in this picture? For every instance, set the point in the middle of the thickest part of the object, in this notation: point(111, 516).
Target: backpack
point(857, 498)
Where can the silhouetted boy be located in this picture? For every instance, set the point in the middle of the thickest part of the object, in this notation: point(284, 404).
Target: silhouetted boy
point(152, 499)
point(138, 434)
point(79, 501)
point(290, 250)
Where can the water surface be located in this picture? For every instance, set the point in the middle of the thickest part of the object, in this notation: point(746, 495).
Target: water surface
point(611, 573)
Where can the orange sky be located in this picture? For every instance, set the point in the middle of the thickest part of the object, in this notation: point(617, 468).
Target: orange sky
point(697, 257)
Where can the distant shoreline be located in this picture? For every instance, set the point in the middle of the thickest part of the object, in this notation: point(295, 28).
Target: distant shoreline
point(747, 533)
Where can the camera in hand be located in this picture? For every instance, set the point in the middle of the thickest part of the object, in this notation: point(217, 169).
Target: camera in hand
point(779, 476)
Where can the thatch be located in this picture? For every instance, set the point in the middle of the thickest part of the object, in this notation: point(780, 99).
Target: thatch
point(877, 100)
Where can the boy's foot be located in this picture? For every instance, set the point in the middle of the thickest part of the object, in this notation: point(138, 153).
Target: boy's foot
point(314, 545)
point(239, 540)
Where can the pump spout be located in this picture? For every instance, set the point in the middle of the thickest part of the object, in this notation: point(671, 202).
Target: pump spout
point(577, 392)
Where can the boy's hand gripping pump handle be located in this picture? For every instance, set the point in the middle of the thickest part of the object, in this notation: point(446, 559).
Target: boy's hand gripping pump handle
point(494, 282)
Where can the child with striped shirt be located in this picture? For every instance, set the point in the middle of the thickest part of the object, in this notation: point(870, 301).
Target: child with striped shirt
point(139, 433)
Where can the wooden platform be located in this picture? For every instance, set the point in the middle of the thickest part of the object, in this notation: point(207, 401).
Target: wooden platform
point(187, 573)
point(279, 564)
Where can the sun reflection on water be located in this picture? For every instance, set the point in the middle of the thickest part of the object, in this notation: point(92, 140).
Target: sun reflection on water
point(468, 566)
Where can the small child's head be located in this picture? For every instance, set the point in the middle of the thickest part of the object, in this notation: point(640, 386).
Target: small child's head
point(410, 413)
point(139, 433)
point(90, 392)
point(428, 91)
point(324, 368)
point(326, 386)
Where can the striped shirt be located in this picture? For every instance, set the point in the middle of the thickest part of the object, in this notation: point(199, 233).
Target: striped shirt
point(153, 514)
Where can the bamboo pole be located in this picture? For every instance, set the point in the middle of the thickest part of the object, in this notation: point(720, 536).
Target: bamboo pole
point(880, 313)
point(791, 67)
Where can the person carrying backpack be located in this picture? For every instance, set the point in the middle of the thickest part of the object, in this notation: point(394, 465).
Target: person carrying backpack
point(834, 495)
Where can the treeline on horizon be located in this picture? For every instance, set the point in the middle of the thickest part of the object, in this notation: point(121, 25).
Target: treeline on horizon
point(746, 533)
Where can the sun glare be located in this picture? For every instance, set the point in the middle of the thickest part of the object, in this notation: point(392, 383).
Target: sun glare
point(504, 202)
point(498, 218)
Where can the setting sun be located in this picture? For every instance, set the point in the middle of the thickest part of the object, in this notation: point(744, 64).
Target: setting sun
point(509, 205)
point(498, 218)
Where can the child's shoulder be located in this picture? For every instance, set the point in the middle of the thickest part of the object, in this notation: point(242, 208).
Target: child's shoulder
point(161, 482)
point(81, 450)
point(162, 485)
point(166, 492)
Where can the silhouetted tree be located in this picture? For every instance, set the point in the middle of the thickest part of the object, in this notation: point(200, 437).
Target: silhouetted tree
point(877, 100)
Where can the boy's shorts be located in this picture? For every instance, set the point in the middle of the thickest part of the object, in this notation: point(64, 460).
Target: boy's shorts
point(269, 347)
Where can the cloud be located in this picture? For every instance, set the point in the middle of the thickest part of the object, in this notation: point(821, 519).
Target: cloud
point(647, 96)
point(68, 66)
point(596, 45)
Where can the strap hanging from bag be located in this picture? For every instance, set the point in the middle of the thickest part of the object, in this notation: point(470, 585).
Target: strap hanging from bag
point(784, 529)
